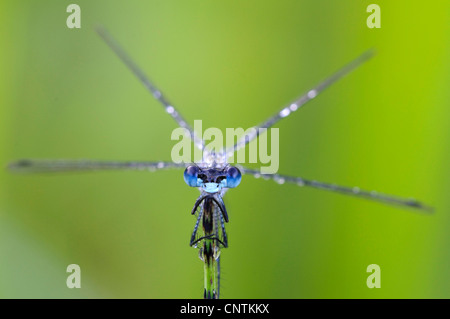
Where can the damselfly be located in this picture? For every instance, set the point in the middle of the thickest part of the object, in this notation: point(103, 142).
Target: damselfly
point(213, 176)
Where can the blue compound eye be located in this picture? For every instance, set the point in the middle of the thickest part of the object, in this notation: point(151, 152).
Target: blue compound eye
point(191, 175)
point(233, 177)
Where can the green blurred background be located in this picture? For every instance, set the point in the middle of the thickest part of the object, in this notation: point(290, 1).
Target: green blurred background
point(65, 95)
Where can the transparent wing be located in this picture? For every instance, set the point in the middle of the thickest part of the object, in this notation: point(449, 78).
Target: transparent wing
point(195, 238)
point(157, 94)
point(43, 166)
point(302, 100)
point(220, 228)
point(353, 191)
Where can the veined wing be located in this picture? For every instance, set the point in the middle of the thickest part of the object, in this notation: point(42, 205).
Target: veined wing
point(157, 94)
point(302, 100)
point(44, 166)
point(353, 191)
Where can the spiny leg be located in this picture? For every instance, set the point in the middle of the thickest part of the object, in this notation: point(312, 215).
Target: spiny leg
point(353, 191)
point(224, 242)
point(157, 94)
point(194, 241)
point(299, 102)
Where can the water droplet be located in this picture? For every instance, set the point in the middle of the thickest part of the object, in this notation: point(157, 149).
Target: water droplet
point(285, 112)
point(170, 109)
point(293, 107)
point(312, 94)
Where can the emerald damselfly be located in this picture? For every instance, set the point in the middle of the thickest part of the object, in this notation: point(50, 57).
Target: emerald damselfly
point(213, 175)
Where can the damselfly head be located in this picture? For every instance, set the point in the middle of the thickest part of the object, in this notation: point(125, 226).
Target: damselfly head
point(212, 180)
